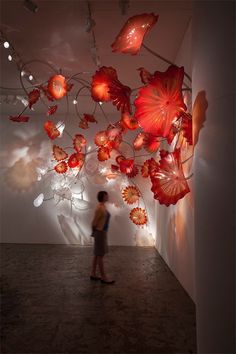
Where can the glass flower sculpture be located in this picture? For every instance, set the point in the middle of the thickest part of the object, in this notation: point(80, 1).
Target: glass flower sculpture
point(131, 194)
point(57, 87)
point(58, 153)
point(79, 142)
point(138, 216)
point(61, 167)
point(161, 102)
point(76, 160)
point(130, 38)
point(51, 130)
point(106, 87)
point(168, 181)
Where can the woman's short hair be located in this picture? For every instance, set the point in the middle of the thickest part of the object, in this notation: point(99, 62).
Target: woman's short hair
point(101, 195)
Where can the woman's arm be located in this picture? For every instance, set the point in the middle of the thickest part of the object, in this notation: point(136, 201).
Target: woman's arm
point(98, 217)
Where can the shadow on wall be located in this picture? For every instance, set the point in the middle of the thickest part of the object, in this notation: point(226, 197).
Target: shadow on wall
point(20, 159)
point(199, 114)
point(73, 231)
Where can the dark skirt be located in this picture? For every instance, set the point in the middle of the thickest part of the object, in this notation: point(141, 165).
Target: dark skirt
point(100, 243)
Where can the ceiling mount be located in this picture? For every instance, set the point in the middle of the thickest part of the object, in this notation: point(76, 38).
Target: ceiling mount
point(30, 5)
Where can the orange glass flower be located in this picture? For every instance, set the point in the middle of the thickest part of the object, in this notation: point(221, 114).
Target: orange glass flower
point(51, 129)
point(138, 216)
point(103, 154)
point(168, 181)
point(131, 36)
point(57, 86)
point(61, 167)
point(58, 153)
point(79, 142)
point(101, 138)
point(160, 102)
point(131, 194)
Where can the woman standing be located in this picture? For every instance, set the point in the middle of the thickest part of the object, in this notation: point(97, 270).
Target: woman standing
point(100, 226)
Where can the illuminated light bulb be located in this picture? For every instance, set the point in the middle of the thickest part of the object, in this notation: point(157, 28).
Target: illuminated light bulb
point(9, 57)
point(22, 73)
point(100, 103)
point(31, 77)
point(6, 44)
point(89, 148)
point(39, 200)
point(75, 102)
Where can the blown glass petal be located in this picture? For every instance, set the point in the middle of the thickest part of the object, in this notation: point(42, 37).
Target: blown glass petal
point(131, 36)
point(168, 181)
point(160, 102)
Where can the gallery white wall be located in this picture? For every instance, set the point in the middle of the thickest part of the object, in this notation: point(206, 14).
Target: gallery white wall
point(26, 147)
point(175, 224)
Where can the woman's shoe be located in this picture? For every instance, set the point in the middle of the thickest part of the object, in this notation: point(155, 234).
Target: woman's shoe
point(107, 281)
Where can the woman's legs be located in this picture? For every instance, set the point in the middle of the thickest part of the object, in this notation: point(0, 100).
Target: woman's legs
point(94, 266)
point(101, 267)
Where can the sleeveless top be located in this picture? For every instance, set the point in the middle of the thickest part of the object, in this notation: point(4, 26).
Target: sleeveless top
point(108, 215)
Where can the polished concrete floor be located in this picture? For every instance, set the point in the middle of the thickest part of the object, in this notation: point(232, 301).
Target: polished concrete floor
point(49, 305)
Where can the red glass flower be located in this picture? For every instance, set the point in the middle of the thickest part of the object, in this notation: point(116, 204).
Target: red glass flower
point(131, 36)
point(76, 160)
point(187, 127)
point(126, 166)
point(129, 122)
point(139, 140)
point(131, 194)
point(61, 167)
point(168, 181)
point(89, 118)
point(19, 119)
point(138, 216)
point(33, 97)
point(58, 153)
point(57, 86)
point(145, 169)
point(100, 83)
point(160, 102)
point(151, 143)
point(153, 167)
point(106, 87)
point(79, 142)
point(133, 173)
point(51, 129)
point(119, 158)
point(120, 96)
point(145, 76)
point(51, 110)
point(83, 124)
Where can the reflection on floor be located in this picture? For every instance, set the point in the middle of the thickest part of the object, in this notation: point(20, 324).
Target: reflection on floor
point(49, 305)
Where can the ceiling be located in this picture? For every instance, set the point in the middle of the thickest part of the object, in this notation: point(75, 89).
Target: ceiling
point(57, 34)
